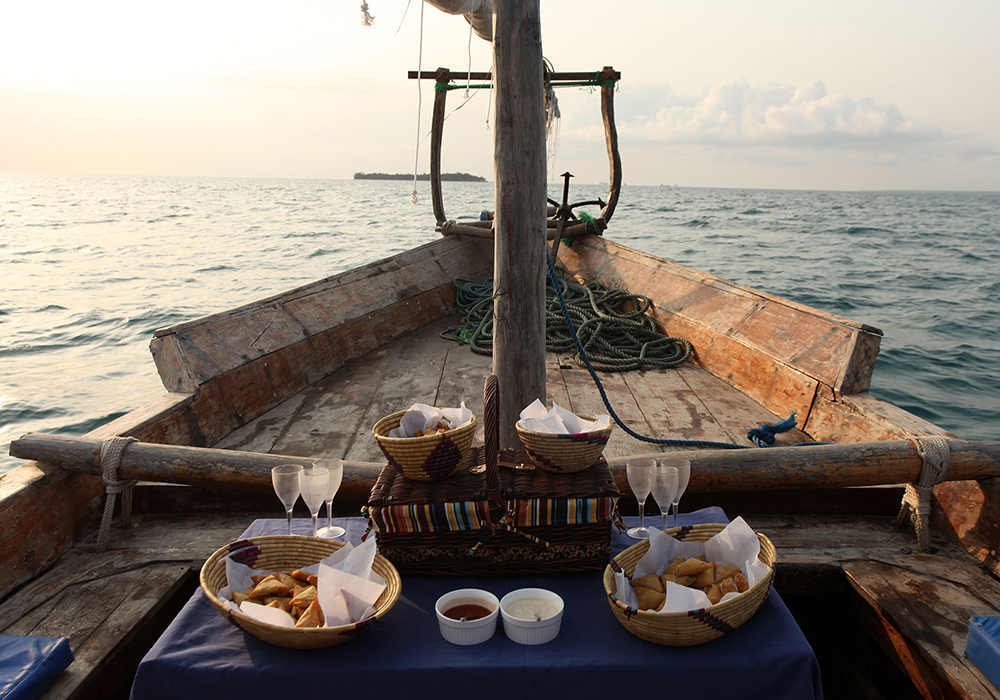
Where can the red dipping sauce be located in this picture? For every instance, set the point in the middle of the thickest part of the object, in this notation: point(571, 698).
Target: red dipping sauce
point(470, 611)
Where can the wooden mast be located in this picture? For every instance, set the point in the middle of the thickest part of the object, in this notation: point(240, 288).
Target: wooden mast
point(519, 266)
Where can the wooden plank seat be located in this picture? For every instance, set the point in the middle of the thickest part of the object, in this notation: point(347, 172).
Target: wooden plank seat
point(914, 606)
point(113, 605)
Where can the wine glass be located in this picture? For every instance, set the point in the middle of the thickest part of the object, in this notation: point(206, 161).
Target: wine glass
point(663, 483)
point(683, 468)
point(315, 487)
point(336, 468)
point(637, 471)
point(287, 485)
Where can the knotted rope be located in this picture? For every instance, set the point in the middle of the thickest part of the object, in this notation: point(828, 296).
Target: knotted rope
point(763, 436)
point(916, 504)
point(111, 459)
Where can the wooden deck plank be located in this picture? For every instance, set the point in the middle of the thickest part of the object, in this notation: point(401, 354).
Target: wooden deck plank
point(673, 410)
point(585, 398)
point(734, 411)
point(923, 622)
point(413, 376)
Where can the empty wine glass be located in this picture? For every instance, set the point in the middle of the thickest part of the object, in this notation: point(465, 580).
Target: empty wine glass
point(683, 468)
point(287, 485)
point(336, 468)
point(315, 487)
point(637, 471)
point(663, 485)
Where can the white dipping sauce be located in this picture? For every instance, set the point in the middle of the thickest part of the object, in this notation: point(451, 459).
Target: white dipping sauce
point(532, 609)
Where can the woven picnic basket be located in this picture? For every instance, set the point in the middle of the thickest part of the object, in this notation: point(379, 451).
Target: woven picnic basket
point(564, 452)
point(694, 626)
point(285, 553)
point(426, 458)
point(507, 520)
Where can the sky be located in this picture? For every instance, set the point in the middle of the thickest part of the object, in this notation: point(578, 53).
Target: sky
point(821, 94)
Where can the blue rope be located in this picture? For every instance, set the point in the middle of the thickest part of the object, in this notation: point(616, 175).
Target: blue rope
point(762, 436)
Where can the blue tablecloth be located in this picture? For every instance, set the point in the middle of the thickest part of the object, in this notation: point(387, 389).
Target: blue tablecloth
point(200, 655)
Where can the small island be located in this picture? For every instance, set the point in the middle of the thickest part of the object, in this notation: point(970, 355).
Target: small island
point(445, 177)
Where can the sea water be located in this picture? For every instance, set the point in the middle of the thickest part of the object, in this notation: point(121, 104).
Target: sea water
point(91, 266)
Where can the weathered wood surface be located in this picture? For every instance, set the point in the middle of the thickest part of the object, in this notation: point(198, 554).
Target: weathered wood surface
point(921, 620)
point(611, 139)
point(519, 163)
point(113, 605)
point(777, 352)
point(242, 363)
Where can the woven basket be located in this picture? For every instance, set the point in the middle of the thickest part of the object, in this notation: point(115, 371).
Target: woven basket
point(284, 553)
point(567, 452)
point(503, 521)
point(427, 458)
point(694, 626)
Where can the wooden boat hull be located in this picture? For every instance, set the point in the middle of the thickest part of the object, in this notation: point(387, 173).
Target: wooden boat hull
point(234, 378)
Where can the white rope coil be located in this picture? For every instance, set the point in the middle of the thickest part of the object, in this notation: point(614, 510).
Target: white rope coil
point(916, 503)
point(111, 459)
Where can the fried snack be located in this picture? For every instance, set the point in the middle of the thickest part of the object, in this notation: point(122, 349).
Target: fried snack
point(285, 578)
point(728, 586)
point(714, 594)
point(679, 580)
point(281, 603)
point(673, 566)
point(299, 574)
point(722, 572)
point(257, 578)
point(741, 582)
point(305, 597)
point(705, 578)
point(650, 581)
point(312, 617)
point(691, 567)
point(649, 599)
point(268, 587)
point(240, 596)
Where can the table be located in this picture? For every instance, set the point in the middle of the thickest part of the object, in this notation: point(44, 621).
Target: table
point(200, 655)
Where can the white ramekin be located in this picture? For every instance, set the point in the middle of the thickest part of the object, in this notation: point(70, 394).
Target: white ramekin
point(471, 631)
point(532, 631)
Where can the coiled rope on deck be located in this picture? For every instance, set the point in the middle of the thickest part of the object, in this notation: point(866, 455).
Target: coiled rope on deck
point(613, 326)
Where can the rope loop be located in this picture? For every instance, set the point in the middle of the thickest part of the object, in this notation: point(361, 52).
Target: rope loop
point(111, 458)
point(916, 504)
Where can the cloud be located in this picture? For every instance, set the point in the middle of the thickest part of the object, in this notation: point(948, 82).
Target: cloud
point(740, 114)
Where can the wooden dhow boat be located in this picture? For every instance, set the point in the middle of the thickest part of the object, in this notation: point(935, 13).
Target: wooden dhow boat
point(305, 374)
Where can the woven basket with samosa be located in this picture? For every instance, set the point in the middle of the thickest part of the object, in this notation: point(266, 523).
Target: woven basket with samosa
point(426, 458)
point(285, 553)
point(564, 453)
point(694, 626)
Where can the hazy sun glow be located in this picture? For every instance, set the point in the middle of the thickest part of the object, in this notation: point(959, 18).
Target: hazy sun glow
point(782, 94)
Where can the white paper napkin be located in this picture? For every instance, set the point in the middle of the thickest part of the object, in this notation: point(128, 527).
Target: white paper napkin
point(420, 417)
point(558, 420)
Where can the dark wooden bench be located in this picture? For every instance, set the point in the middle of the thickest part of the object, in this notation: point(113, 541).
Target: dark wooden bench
point(869, 589)
point(113, 605)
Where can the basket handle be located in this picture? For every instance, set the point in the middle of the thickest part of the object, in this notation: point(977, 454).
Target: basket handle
point(491, 440)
